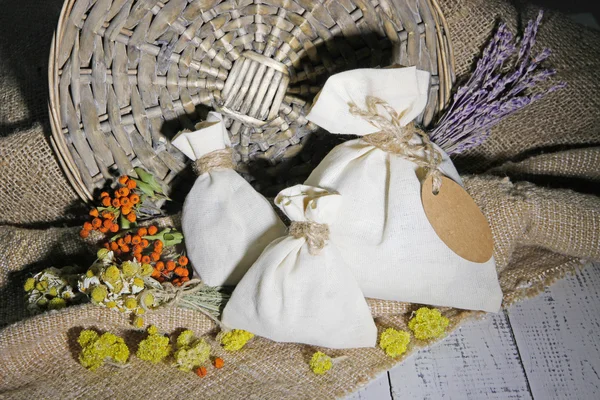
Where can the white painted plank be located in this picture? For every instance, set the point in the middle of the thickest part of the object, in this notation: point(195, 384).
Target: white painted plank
point(558, 335)
point(479, 361)
point(379, 389)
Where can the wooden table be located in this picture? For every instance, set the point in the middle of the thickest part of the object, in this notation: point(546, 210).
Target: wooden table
point(547, 347)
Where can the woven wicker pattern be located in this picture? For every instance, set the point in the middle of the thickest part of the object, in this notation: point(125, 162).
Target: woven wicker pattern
point(125, 75)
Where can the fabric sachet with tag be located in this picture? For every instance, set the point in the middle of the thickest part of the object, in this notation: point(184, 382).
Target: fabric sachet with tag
point(226, 223)
point(398, 249)
point(300, 290)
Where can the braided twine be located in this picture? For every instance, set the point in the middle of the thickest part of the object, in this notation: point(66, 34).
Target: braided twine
point(397, 139)
point(316, 234)
point(222, 159)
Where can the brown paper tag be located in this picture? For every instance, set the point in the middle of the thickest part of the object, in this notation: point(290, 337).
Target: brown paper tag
point(457, 220)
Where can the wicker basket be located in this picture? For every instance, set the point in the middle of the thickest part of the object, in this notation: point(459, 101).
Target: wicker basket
point(126, 75)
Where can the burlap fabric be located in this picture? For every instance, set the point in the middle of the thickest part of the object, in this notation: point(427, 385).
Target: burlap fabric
point(540, 233)
point(33, 188)
point(566, 119)
point(39, 354)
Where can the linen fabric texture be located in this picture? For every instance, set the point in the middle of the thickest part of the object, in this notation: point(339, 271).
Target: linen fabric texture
point(225, 222)
point(293, 294)
point(383, 232)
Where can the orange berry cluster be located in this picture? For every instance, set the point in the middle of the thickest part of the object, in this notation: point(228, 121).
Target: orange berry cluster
point(142, 244)
point(123, 202)
point(103, 222)
point(172, 271)
point(137, 246)
point(124, 198)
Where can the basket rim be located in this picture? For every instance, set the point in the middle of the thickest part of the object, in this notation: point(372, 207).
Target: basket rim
point(57, 138)
point(446, 73)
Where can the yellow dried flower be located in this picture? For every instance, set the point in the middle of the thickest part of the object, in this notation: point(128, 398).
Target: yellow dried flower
point(155, 347)
point(29, 284)
point(131, 303)
point(41, 286)
point(98, 349)
point(138, 282)
point(57, 303)
point(394, 342)
point(53, 291)
point(148, 300)
point(129, 268)
point(146, 270)
point(117, 287)
point(191, 354)
point(102, 254)
point(236, 339)
point(99, 293)
point(111, 304)
point(86, 336)
point(138, 322)
point(320, 363)
point(185, 338)
point(89, 273)
point(428, 323)
point(112, 273)
point(140, 311)
point(120, 352)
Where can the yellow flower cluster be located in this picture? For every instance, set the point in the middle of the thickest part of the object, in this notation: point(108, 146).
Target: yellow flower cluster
point(118, 287)
point(52, 289)
point(428, 323)
point(29, 284)
point(96, 349)
point(320, 363)
point(191, 352)
point(394, 342)
point(155, 347)
point(236, 339)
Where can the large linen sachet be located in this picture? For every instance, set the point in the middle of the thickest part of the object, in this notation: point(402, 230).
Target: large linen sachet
point(383, 231)
point(225, 222)
point(300, 290)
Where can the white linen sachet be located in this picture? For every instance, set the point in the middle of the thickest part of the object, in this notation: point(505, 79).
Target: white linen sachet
point(300, 290)
point(383, 231)
point(225, 222)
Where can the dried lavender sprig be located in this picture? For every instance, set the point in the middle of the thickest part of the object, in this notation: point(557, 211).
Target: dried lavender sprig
point(495, 89)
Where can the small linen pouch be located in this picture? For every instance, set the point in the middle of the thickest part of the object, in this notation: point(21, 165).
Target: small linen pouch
point(225, 222)
point(383, 231)
point(300, 290)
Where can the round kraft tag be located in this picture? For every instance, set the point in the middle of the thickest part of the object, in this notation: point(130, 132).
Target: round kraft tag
point(457, 220)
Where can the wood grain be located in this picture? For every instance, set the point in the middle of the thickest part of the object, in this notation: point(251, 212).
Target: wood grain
point(547, 347)
point(479, 361)
point(558, 334)
point(378, 389)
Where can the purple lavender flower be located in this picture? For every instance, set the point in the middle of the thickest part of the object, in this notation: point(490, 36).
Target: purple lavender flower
point(497, 88)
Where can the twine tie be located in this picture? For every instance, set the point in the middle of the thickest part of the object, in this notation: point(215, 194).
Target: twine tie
point(396, 139)
point(316, 234)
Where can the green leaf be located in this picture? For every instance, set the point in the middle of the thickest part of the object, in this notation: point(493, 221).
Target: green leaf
point(143, 174)
point(159, 235)
point(172, 239)
point(145, 188)
point(124, 222)
point(168, 236)
point(149, 179)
